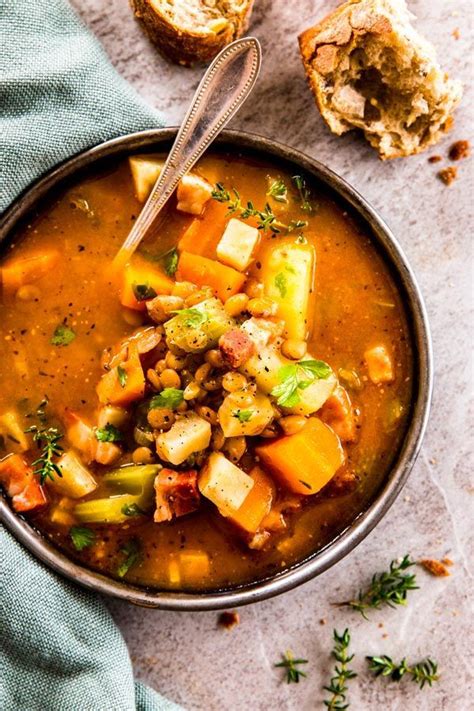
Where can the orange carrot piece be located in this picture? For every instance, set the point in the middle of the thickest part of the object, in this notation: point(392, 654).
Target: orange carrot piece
point(204, 233)
point(26, 271)
point(257, 503)
point(21, 484)
point(143, 275)
point(305, 461)
point(337, 412)
point(124, 383)
point(225, 281)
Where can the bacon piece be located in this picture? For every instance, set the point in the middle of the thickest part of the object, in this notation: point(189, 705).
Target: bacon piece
point(177, 494)
point(337, 412)
point(21, 484)
point(236, 347)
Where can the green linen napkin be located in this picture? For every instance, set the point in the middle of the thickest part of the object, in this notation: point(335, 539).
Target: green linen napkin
point(60, 649)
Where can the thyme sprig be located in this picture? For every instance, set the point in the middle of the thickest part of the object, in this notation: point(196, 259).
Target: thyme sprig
point(290, 664)
point(48, 441)
point(342, 673)
point(304, 193)
point(388, 588)
point(425, 672)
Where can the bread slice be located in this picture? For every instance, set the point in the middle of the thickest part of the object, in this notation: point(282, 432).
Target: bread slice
point(190, 31)
point(369, 69)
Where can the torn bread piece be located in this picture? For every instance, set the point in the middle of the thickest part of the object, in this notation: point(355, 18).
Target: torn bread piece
point(369, 69)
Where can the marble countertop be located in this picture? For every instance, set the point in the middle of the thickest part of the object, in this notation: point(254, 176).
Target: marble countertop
point(185, 655)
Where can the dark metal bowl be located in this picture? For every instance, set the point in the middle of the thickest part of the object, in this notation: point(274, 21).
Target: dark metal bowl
point(385, 242)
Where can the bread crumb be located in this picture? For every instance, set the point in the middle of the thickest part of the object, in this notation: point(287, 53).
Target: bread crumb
point(385, 635)
point(322, 621)
point(434, 159)
point(380, 624)
point(447, 561)
point(448, 175)
point(455, 33)
point(459, 150)
point(435, 567)
point(228, 620)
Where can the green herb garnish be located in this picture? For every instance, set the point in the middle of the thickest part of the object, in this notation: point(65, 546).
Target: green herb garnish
point(192, 318)
point(171, 262)
point(63, 335)
point(290, 664)
point(281, 284)
point(304, 193)
point(132, 510)
point(109, 433)
point(122, 376)
point(169, 397)
point(388, 588)
point(81, 537)
point(301, 239)
point(278, 191)
point(297, 225)
point(337, 686)
point(132, 553)
point(47, 440)
point(298, 376)
point(243, 415)
point(142, 292)
point(425, 672)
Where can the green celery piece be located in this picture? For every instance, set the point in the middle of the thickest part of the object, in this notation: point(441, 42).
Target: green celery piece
point(106, 510)
point(136, 479)
point(204, 335)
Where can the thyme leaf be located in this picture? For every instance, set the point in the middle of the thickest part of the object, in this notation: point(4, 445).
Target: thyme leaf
point(290, 664)
point(337, 686)
point(425, 672)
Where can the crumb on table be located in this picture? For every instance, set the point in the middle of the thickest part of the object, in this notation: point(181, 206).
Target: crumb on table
point(434, 159)
point(435, 567)
point(459, 150)
point(448, 175)
point(455, 33)
point(228, 620)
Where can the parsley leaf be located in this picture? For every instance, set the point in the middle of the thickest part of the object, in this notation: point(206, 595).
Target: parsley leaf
point(278, 191)
point(132, 510)
point(171, 262)
point(109, 433)
point(192, 318)
point(82, 537)
point(169, 397)
point(122, 376)
point(63, 335)
point(298, 376)
point(281, 284)
point(142, 292)
point(133, 555)
point(243, 415)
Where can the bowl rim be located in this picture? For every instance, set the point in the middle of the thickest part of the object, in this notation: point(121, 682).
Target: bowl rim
point(363, 524)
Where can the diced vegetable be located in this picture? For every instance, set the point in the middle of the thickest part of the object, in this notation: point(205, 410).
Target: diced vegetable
point(110, 510)
point(61, 515)
point(13, 432)
point(203, 233)
point(107, 453)
point(19, 272)
point(17, 477)
point(337, 412)
point(136, 479)
point(236, 420)
point(142, 282)
point(177, 494)
point(110, 415)
point(236, 347)
point(199, 328)
point(80, 434)
point(76, 479)
point(265, 368)
point(257, 504)
point(193, 193)
point(124, 383)
point(288, 273)
point(145, 172)
point(189, 434)
point(224, 484)
point(379, 364)
point(238, 244)
point(305, 461)
point(259, 330)
point(202, 271)
point(188, 567)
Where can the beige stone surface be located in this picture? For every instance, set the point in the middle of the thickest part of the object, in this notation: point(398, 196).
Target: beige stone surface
point(186, 656)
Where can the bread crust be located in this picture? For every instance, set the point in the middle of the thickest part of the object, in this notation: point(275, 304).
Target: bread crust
point(182, 46)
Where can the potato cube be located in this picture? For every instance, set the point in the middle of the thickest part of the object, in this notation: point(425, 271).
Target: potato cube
point(189, 434)
point(145, 172)
point(237, 244)
point(251, 420)
point(379, 364)
point(224, 484)
point(193, 193)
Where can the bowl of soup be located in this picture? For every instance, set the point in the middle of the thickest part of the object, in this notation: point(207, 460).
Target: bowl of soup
point(232, 411)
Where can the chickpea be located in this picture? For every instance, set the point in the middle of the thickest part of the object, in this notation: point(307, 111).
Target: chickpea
point(242, 399)
point(235, 448)
point(237, 304)
point(262, 306)
point(174, 361)
point(214, 358)
point(217, 439)
point(292, 424)
point(186, 378)
point(212, 384)
point(161, 418)
point(183, 289)
point(154, 379)
point(253, 288)
point(160, 366)
point(161, 307)
point(293, 348)
point(269, 432)
point(232, 381)
point(191, 390)
point(207, 414)
point(182, 407)
point(202, 373)
point(142, 455)
point(28, 292)
point(170, 379)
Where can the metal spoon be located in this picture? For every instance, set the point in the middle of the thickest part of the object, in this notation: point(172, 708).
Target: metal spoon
point(220, 94)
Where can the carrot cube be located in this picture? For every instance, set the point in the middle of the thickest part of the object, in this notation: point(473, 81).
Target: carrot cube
point(225, 281)
point(145, 280)
point(124, 383)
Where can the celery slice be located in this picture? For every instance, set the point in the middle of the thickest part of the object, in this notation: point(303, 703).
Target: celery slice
point(132, 479)
point(109, 510)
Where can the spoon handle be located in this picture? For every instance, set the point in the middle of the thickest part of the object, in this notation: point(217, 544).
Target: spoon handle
point(220, 94)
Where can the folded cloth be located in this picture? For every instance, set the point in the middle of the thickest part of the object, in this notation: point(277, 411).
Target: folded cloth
point(60, 649)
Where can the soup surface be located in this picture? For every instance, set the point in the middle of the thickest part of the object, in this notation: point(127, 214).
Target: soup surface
point(220, 408)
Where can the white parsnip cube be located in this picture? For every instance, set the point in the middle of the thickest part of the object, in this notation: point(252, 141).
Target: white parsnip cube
point(237, 244)
point(193, 193)
point(76, 480)
point(189, 434)
point(379, 364)
point(224, 484)
point(145, 171)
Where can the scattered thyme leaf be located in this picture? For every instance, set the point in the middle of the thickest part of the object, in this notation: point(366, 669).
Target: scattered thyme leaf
point(131, 551)
point(48, 441)
point(82, 537)
point(342, 673)
point(278, 191)
point(301, 239)
point(304, 193)
point(171, 262)
point(142, 292)
point(243, 415)
point(425, 672)
point(290, 664)
point(63, 335)
point(168, 397)
point(297, 225)
point(122, 376)
point(109, 433)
